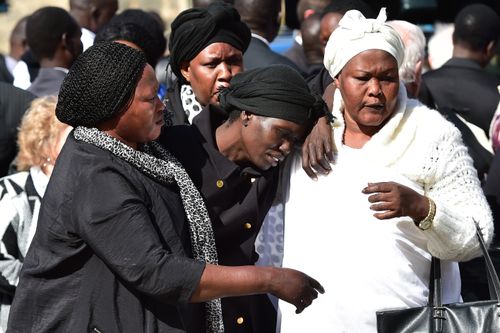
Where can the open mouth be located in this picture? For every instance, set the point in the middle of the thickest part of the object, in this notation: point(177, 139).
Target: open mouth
point(276, 159)
point(376, 106)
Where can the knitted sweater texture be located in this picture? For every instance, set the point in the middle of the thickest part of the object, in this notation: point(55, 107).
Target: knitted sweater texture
point(424, 147)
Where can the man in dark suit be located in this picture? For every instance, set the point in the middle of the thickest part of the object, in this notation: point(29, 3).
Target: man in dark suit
point(462, 84)
point(91, 16)
point(54, 38)
point(17, 47)
point(13, 103)
point(263, 19)
point(5, 73)
point(305, 9)
point(330, 17)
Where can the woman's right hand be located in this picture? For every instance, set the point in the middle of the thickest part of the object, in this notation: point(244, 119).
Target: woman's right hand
point(317, 150)
point(295, 287)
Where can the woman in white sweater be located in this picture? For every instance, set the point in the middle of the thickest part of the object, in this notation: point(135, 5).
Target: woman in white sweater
point(402, 189)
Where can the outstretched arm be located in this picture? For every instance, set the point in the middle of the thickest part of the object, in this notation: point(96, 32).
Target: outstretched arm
point(287, 284)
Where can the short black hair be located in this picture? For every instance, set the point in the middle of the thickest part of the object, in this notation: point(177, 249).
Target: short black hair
point(138, 27)
point(45, 28)
point(476, 26)
point(206, 3)
point(343, 6)
point(259, 15)
point(19, 31)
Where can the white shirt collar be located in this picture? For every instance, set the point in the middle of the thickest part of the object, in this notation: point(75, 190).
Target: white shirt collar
point(40, 180)
point(297, 36)
point(62, 69)
point(87, 38)
point(10, 63)
point(21, 75)
point(260, 38)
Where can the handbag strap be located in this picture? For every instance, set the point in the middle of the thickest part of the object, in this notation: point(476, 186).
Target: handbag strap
point(492, 276)
point(435, 295)
point(435, 283)
point(493, 281)
point(435, 275)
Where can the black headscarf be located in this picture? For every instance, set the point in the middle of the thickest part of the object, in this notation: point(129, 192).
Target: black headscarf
point(100, 84)
point(276, 91)
point(196, 28)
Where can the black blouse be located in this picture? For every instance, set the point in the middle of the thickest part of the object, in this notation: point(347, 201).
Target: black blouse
point(237, 198)
point(110, 254)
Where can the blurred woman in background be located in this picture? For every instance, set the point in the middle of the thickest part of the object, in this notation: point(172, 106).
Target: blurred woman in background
point(40, 139)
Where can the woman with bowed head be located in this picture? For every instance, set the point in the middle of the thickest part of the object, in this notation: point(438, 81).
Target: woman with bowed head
point(233, 153)
point(124, 242)
point(206, 51)
point(402, 189)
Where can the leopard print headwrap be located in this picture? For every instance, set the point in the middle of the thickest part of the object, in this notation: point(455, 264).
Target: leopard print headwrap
point(158, 163)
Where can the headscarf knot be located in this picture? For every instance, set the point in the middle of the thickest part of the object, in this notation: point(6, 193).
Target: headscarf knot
point(357, 25)
point(356, 34)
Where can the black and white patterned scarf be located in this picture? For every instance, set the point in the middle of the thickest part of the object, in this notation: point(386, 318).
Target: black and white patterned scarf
point(189, 103)
point(158, 163)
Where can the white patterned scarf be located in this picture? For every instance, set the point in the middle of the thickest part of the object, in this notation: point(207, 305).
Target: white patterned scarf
point(154, 161)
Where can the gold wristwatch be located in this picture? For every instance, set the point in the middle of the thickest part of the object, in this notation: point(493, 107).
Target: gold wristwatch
point(427, 222)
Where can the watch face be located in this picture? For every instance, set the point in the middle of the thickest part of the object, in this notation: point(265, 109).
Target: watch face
point(424, 225)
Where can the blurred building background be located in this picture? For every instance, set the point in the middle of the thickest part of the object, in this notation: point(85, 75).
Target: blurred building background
point(425, 13)
point(12, 10)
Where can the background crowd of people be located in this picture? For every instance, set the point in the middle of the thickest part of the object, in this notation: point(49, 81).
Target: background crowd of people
point(200, 180)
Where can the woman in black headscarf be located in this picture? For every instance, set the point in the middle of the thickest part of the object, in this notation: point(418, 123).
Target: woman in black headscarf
point(232, 153)
point(206, 51)
point(124, 242)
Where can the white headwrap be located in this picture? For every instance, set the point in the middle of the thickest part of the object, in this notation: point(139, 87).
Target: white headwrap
point(356, 34)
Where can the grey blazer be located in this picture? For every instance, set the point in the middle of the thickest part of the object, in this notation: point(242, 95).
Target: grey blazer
point(47, 82)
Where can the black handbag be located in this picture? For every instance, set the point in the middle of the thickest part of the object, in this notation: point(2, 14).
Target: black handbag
point(472, 317)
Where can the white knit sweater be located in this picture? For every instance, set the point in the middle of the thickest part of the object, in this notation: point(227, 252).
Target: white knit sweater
point(421, 145)
point(366, 264)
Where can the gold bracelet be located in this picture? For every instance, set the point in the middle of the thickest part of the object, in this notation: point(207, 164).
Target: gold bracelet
point(426, 223)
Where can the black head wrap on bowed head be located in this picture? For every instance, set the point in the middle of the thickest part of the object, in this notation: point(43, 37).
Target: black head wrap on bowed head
point(276, 91)
point(196, 28)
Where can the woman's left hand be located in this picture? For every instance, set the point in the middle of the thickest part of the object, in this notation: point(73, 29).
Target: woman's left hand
point(390, 199)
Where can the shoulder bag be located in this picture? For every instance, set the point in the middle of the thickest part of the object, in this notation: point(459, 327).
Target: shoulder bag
point(472, 317)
